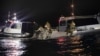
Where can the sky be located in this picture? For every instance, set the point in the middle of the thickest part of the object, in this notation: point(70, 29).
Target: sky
point(42, 11)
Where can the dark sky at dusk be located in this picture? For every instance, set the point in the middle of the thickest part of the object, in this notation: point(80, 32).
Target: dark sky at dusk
point(47, 10)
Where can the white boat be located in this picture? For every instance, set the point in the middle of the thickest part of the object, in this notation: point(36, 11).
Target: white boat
point(88, 28)
point(13, 28)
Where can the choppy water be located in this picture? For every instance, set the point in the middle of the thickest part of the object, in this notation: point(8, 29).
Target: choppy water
point(29, 47)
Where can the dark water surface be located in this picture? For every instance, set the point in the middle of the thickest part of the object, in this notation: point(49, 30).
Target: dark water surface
point(30, 47)
point(26, 47)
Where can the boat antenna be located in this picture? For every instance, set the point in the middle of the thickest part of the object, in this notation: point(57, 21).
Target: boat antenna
point(8, 17)
point(72, 7)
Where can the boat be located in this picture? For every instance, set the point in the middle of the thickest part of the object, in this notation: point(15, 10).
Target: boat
point(80, 29)
point(14, 28)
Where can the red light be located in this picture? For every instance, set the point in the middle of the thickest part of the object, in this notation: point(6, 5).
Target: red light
point(61, 39)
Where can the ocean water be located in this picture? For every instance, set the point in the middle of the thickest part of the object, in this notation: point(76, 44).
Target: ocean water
point(26, 47)
point(52, 47)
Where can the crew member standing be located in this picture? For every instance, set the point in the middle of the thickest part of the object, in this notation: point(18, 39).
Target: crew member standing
point(70, 28)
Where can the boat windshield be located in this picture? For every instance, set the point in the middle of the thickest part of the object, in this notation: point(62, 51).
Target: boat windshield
point(63, 23)
point(8, 24)
point(14, 25)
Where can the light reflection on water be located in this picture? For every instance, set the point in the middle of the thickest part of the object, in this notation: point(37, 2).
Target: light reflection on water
point(29, 47)
point(14, 52)
point(14, 47)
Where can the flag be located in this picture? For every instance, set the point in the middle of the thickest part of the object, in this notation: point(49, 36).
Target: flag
point(61, 18)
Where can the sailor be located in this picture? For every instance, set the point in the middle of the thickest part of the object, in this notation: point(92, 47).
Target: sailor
point(71, 28)
point(39, 33)
point(48, 29)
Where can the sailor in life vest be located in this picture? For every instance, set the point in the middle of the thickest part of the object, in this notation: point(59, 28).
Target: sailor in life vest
point(71, 28)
